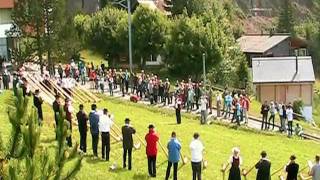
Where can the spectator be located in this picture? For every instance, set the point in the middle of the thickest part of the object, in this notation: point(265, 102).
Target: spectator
point(283, 117)
point(299, 130)
point(273, 112)
point(289, 113)
point(264, 112)
point(37, 102)
point(203, 109)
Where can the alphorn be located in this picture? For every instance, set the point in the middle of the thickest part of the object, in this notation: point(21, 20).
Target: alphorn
point(163, 149)
point(43, 95)
point(278, 170)
point(83, 94)
point(34, 85)
point(223, 171)
point(96, 99)
point(61, 91)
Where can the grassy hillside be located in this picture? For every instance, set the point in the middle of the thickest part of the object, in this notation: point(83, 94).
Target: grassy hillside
point(217, 139)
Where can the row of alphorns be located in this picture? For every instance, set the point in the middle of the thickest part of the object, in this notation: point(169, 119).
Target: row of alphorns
point(281, 177)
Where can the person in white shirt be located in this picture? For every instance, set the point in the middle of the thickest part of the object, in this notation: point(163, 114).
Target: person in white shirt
point(196, 148)
point(315, 170)
point(203, 109)
point(289, 113)
point(105, 124)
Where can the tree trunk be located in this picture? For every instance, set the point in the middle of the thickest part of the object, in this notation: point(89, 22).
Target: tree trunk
point(39, 46)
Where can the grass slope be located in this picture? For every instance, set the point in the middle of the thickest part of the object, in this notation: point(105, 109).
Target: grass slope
point(218, 141)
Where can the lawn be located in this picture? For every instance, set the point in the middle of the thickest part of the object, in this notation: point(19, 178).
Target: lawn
point(90, 56)
point(218, 141)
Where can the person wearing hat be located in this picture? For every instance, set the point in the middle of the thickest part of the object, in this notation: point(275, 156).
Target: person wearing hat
point(289, 113)
point(82, 126)
point(263, 167)
point(94, 129)
point(68, 109)
point(56, 105)
point(151, 150)
point(37, 102)
point(292, 169)
point(127, 142)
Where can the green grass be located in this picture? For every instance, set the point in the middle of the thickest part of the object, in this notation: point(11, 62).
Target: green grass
point(90, 56)
point(218, 141)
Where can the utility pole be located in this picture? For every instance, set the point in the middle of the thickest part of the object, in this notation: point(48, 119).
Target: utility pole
point(204, 68)
point(130, 38)
point(128, 7)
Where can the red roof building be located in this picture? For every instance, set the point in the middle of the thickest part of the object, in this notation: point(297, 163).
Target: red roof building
point(6, 4)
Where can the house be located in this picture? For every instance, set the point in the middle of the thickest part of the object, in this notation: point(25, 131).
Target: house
point(284, 79)
point(264, 46)
point(6, 7)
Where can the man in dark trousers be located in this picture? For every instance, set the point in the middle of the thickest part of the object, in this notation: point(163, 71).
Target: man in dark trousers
point(105, 124)
point(152, 138)
point(82, 126)
point(292, 169)
point(37, 102)
point(178, 110)
point(56, 109)
point(94, 128)
point(127, 142)
point(263, 167)
point(264, 112)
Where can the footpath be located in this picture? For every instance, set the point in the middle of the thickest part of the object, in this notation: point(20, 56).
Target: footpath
point(253, 122)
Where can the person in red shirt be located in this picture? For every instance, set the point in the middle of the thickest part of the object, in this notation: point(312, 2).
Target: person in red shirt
point(245, 104)
point(152, 138)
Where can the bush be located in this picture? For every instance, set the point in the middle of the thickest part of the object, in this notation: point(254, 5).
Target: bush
point(297, 106)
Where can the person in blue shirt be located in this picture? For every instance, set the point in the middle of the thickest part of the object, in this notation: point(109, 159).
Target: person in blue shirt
point(94, 129)
point(228, 101)
point(174, 148)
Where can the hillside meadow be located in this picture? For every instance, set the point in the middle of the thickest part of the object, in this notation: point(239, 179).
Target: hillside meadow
point(218, 141)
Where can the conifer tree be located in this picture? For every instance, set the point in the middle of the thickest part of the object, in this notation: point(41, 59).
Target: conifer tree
point(25, 157)
point(286, 19)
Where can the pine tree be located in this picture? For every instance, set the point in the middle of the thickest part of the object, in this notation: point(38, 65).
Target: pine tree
point(286, 18)
point(242, 73)
point(25, 157)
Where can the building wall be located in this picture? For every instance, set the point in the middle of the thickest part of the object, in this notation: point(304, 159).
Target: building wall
point(280, 50)
point(3, 48)
point(5, 16)
point(285, 92)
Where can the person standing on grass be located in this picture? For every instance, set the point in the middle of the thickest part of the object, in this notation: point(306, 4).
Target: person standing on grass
point(282, 116)
point(56, 105)
point(82, 126)
point(94, 128)
point(178, 110)
point(198, 94)
point(292, 169)
point(105, 124)
point(68, 109)
point(151, 150)
point(196, 148)
point(174, 148)
point(203, 109)
point(166, 92)
point(315, 170)
point(235, 161)
point(264, 111)
point(37, 102)
point(273, 112)
point(127, 142)
point(289, 113)
point(263, 167)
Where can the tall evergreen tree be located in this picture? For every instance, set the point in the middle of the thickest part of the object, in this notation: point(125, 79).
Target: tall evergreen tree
point(286, 18)
point(25, 157)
